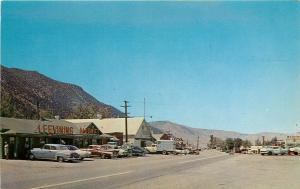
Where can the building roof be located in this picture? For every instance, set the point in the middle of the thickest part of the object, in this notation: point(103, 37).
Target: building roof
point(26, 126)
point(112, 125)
point(12, 125)
point(157, 136)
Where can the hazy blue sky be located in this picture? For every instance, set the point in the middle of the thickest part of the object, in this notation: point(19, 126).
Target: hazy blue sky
point(232, 66)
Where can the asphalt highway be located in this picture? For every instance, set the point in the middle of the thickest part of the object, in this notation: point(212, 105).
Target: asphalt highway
point(98, 173)
point(210, 169)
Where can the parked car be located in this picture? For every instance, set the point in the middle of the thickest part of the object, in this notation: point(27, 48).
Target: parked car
point(294, 151)
point(102, 151)
point(181, 151)
point(273, 150)
point(82, 154)
point(113, 147)
point(57, 152)
point(92, 149)
point(138, 151)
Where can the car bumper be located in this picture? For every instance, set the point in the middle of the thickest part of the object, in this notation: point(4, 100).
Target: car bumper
point(71, 159)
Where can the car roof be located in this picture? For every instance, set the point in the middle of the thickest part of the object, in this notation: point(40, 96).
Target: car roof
point(55, 144)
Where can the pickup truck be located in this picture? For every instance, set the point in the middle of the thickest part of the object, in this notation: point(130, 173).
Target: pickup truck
point(273, 150)
point(152, 148)
point(56, 152)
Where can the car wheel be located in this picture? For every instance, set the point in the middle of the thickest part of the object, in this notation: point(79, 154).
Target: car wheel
point(60, 159)
point(164, 152)
point(81, 158)
point(31, 157)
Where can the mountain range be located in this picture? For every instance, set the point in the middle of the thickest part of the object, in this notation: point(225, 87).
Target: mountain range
point(29, 94)
point(190, 134)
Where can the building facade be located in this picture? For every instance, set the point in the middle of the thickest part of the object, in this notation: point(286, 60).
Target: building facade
point(23, 135)
point(138, 129)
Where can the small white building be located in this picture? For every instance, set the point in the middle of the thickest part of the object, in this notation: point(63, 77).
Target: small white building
point(137, 128)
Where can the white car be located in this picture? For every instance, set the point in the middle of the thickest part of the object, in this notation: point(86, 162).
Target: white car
point(294, 151)
point(57, 152)
point(273, 150)
point(82, 154)
point(184, 151)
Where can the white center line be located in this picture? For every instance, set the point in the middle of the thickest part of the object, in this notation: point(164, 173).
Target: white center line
point(201, 159)
point(81, 180)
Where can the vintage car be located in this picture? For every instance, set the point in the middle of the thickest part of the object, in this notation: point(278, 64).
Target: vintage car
point(138, 151)
point(110, 152)
point(82, 154)
point(294, 150)
point(102, 151)
point(56, 152)
point(273, 150)
point(181, 151)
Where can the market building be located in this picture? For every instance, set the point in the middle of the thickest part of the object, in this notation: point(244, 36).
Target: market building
point(138, 129)
point(23, 135)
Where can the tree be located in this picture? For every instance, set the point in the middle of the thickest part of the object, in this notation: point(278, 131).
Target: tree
point(237, 142)
point(246, 143)
point(229, 143)
point(258, 142)
point(274, 140)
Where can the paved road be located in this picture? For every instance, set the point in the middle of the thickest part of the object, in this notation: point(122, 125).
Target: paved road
point(208, 170)
point(92, 174)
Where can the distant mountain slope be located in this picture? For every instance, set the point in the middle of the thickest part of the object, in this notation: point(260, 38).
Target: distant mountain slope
point(191, 134)
point(21, 91)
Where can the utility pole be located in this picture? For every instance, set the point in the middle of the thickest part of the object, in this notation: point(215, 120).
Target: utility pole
point(263, 142)
point(198, 143)
point(126, 116)
point(38, 109)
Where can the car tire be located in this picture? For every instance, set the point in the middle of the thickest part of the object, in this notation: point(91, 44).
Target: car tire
point(60, 159)
point(164, 152)
point(31, 157)
point(81, 158)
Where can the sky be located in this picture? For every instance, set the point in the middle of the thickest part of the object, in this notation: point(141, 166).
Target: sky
point(216, 65)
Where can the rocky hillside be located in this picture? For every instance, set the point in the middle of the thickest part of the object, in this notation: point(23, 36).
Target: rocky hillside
point(191, 134)
point(23, 91)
